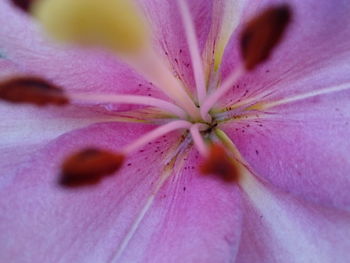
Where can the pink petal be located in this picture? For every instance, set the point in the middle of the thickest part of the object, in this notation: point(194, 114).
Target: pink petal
point(169, 33)
point(25, 129)
point(27, 125)
point(7, 68)
point(42, 223)
point(313, 54)
point(194, 219)
point(280, 228)
point(303, 147)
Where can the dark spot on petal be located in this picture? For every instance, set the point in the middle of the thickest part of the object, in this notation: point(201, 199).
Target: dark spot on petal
point(262, 34)
point(32, 90)
point(89, 166)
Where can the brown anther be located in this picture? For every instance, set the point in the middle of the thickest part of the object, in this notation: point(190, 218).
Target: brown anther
point(32, 90)
point(220, 164)
point(23, 4)
point(262, 34)
point(89, 166)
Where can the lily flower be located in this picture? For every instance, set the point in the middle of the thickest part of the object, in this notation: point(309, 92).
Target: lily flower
point(174, 131)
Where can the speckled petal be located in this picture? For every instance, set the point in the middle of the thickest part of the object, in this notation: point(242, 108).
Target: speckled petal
point(89, 224)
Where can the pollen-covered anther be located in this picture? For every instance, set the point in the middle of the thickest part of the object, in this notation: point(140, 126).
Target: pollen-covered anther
point(32, 90)
point(219, 163)
point(89, 166)
point(262, 34)
point(23, 4)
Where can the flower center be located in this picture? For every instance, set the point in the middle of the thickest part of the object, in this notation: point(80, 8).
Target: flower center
point(120, 27)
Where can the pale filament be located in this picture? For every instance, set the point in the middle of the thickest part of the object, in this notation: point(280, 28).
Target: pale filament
point(198, 139)
point(192, 41)
point(145, 208)
point(152, 68)
point(130, 99)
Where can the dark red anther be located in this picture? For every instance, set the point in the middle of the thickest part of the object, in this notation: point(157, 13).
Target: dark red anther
point(32, 90)
point(23, 4)
point(89, 167)
point(220, 164)
point(262, 34)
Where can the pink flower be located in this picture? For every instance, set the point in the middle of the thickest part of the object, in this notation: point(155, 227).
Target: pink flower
point(284, 126)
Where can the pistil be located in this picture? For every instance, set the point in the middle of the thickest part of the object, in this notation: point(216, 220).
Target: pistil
point(120, 27)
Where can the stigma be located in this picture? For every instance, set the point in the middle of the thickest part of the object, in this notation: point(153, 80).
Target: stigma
point(117, 25)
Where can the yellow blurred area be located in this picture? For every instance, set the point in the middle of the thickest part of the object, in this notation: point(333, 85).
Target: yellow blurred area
point(114, 24)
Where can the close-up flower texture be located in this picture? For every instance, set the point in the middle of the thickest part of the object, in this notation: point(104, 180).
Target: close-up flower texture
point(175, 131)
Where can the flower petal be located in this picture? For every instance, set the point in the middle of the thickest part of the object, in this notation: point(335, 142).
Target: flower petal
point(88, 225)
point(313, 54)
point(170, 37)
point(302, 148)
point(25, 128)
point(55, 220)
point(280, 228)
point(195, 218)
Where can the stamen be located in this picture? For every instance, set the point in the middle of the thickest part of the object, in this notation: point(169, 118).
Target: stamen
point(23, 4)
point(130, 99)
point(32, 90)
point(198, 139)
point(116, 25)
point(220, 164)
point(149, 64)
point(89, 166)
point(154, 134)
point(217, 94)
point(197, 64)
point(262, 34)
